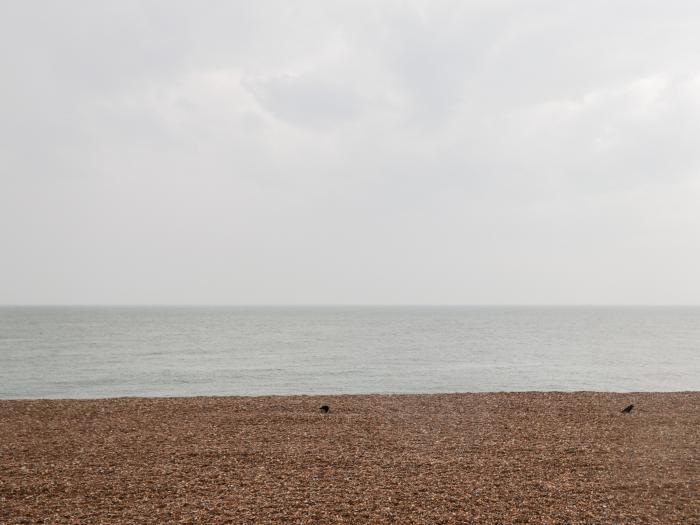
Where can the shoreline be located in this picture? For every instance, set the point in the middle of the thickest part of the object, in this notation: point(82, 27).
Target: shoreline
point(483, 457)
point(356, 394)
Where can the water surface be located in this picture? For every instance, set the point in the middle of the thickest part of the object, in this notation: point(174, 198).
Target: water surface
point(67, 352)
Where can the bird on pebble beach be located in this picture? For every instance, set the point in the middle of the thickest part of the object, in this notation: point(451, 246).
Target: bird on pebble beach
point(324, 408)
point(628, 409)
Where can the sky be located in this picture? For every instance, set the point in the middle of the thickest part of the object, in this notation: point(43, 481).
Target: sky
point(355, 152)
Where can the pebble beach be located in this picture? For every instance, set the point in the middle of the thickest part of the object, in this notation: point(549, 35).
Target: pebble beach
point(442, 458)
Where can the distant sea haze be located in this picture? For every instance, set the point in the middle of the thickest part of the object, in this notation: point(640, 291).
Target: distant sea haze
point(89, 352)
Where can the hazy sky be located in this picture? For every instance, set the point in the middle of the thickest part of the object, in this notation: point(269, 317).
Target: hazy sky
point(349, 152)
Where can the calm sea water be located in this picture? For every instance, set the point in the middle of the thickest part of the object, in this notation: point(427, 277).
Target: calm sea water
point(48, 352)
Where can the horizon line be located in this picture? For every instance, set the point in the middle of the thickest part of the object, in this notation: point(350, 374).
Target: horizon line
point(343, 305)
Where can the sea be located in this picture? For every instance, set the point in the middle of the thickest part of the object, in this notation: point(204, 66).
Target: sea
point(96, 352)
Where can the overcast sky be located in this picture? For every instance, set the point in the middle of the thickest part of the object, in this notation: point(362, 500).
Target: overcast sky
point(471, 152)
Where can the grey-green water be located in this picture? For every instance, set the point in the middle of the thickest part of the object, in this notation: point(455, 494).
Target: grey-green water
point(66, 352)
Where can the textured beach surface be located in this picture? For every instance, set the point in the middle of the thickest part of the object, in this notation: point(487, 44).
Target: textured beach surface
point(452, 458)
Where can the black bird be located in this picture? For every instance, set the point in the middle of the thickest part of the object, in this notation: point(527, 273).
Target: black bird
point(324, 408)
point(628, 409)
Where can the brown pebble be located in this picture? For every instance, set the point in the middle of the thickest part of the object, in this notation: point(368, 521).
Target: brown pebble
point(446, 458)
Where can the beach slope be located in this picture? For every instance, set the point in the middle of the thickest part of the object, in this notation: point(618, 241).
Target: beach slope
point(447, 458)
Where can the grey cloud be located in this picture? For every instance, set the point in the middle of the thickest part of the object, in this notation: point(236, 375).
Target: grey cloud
point(331, 152)
point(304, 101)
